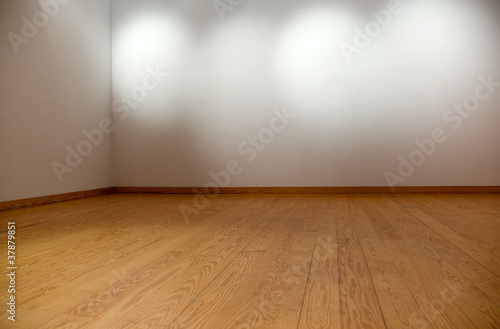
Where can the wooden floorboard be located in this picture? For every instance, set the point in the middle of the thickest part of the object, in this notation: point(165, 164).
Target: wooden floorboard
point(359, 305)
point(321, 304)
point(296, 261)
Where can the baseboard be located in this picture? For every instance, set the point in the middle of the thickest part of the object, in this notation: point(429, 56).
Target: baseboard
point(30, 202)
point(317, 190)
point(23, 203)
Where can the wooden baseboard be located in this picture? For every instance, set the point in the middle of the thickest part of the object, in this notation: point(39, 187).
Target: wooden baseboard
point(23, 203)
point(317, 190)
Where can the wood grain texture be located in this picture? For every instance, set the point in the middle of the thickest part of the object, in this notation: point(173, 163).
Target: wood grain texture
point(359, 305)
point(315, 190)
point(30, 202)
point(258, 261)
point(37, 201)
point(321, 306)
point(396, 301)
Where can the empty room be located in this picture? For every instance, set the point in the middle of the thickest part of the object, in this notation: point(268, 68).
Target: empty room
point(237, 164)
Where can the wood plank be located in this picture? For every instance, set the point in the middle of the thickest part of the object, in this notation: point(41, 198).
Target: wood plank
point(471, 240)
point(458, 222)
point(272, 297)
point(41, 318)
point(200, 310)
point(435, 296)
point(64, 321)
point(315, 190)
point(191, 283)
point(321, 307)
point(476, 210)
point(109, 315)
point(135, 295)
point(396, 301)
point(358, 298)
point(41, 200)
point(165, 298)
point(109, 272)
point(131, 325)
point(181, 251)
point(258, 261)
point(448, 265)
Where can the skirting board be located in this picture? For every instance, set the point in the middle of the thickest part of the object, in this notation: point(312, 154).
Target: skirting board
point(30, 202)
point(316, 190)
point(23, 203)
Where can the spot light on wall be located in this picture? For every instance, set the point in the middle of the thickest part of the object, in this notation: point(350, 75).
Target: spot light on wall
point(308, 63)
point(152, 40)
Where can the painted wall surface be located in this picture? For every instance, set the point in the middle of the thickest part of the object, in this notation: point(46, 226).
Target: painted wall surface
point(55, 83)
point(376, 93)
point(247, 93)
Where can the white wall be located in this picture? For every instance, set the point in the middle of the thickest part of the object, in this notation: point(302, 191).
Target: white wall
point(353, 120)
point(189, 88)
point(54, 86)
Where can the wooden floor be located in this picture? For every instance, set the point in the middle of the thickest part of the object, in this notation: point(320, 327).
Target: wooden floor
point(257, 261)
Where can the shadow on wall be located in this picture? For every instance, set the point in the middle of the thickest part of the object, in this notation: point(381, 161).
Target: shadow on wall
point(153, 153)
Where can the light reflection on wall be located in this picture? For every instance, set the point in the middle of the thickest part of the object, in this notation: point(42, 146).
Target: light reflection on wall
point(354, 118)
point(311, 72)
point(154, 40)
